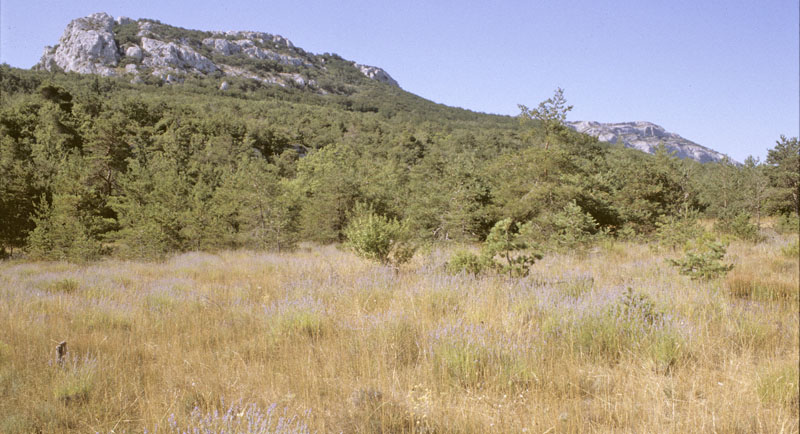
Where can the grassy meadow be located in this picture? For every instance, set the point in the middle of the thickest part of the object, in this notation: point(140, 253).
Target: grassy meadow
point(318, 340)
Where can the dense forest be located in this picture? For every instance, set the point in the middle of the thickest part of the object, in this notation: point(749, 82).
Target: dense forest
point(93, 166)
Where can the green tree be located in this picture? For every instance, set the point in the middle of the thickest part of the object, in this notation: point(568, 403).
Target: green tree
point(756, 186)
point(703, 259)
point(379, 238)
point(784, 175)
point(329, 179)
point(259, 207)
point(507, 248)
point(551, 112)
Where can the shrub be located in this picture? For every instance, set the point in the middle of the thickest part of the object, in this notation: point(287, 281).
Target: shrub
point(673, 231)
point(637, 305)
point(573, 227)
point(703, 259)
point(792, 250)
point(464, 261)
point(506, 240)
point(61, 233)
point(739, 226)
point(76, 382)
point(788, 224)
point(379, 238)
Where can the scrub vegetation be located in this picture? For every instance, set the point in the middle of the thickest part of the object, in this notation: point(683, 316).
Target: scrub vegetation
point(268, 259)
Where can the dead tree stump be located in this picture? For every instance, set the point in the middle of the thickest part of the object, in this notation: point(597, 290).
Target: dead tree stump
point(61, 352)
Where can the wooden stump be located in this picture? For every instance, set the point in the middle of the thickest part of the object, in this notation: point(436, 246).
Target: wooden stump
point(61, 352)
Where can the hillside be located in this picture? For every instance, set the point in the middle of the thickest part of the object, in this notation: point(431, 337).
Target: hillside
point(148, 51)
point(144, 154)
point(100, 44)
point(646, 136)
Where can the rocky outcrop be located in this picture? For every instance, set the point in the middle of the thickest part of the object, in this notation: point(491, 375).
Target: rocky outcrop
point(169, 56)
point(87, 47)
point(646, 136)
point(376, 73)
point(227, 47)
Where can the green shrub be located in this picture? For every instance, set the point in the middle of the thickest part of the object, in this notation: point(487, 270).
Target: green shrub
point(61, 233)
point(792, 250)
point(674, 231)
point(464, 261)
point(76, 382)
point(126, 34)
point(739, 226)
point(703, 259)
point(379, 238)
point(637, 305)
point(788, 224)
point(573, 227)
point(504, 246)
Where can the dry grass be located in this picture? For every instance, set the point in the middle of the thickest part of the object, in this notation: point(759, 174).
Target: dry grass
point(320, 341)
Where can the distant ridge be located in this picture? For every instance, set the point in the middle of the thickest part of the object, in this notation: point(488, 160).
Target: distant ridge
point(143, 50)
point(646, 136)
point(101, 44)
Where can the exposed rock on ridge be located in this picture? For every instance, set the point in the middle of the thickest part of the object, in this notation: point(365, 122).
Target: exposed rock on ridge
point(91, 46)
point(646, 136)
point(87, 47)
point(376, 73)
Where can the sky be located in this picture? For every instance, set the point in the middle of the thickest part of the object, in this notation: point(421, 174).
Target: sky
point(724, 74)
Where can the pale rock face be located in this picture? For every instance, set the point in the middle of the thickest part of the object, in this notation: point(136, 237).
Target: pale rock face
point(87, 47)
point(227, 48)
point(646, 136)
point(376, 73)
point(258, 36)
point(134, 51)
point(222, 46)
point(161, 55)
point(224, 86)
point(145, 28)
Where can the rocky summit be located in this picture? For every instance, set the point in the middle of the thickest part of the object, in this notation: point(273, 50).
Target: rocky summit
point(101, 44)
point(646, 136)
point(148, 51)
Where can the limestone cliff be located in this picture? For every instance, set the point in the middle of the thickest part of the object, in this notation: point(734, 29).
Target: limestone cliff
point(646, 136)
point(99, 44)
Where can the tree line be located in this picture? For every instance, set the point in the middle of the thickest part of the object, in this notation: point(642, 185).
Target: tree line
point(91, 166)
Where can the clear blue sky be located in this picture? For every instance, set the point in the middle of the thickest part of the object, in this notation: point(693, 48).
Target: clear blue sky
point(721, 73)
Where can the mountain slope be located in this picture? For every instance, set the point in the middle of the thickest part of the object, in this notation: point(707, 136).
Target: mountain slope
point(100, 44)
point(646, 137)
point(148, 51)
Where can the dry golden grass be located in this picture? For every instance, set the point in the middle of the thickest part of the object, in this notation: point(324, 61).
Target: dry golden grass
point(332, 343)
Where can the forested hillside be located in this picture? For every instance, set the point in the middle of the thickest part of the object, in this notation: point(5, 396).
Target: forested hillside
point(91, 166)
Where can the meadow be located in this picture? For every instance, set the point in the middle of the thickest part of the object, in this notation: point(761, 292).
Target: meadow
point(611, 339)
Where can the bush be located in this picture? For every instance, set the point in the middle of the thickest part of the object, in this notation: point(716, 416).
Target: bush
point(788, 224)
point(673, 231)
point(379, 238)
point(739, 226)
point(506, 240)
point(573, 227)
point(464, 261)
point(61, 233)
point(792, 250)
point(703, 259)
